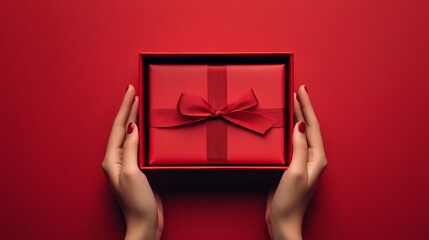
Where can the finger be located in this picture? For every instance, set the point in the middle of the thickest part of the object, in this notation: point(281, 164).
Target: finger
point(297, 109)
point(132, 117)
point(314, 136)
point(129, 160)
point(113, 159)
point(300, 149)
point(118, 129)
point(306, 106)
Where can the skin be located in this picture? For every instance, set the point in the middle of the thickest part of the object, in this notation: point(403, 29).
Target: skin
point(142, 207)
point(287, 204)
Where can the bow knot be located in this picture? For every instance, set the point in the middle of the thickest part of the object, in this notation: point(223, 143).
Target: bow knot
point(239, 112)
point(218, 113)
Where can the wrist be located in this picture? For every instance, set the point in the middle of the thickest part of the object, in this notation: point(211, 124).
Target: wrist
point(138, 230)
point(135, 234)
point(291, 230)
point(287, 228)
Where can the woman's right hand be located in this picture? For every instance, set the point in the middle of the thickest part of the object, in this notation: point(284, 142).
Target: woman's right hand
point(287, 205)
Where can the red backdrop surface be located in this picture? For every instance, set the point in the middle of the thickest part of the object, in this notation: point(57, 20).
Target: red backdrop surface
point(64, 67)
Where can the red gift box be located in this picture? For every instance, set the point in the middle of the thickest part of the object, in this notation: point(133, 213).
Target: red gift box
point(184, 123)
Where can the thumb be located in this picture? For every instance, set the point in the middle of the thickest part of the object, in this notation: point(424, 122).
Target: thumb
point(129, 161)
point(300, 149)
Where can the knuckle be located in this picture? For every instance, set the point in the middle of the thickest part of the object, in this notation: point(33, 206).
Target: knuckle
point(297, 176)
point(320, 159)
point(117, 123)
point(105, 166)
point(128, 174)
point(324, 163)
point(316, 123)
point(129, 142)
point(300, 145)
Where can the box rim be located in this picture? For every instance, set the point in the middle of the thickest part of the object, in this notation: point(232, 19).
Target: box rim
point(290, 84)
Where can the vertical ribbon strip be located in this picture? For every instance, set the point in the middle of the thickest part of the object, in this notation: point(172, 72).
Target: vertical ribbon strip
point(216, 128)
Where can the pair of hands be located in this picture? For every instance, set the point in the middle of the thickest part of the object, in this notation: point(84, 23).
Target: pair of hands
point(142, 207)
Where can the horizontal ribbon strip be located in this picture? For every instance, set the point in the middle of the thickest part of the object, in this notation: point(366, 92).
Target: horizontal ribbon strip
point(193, 109)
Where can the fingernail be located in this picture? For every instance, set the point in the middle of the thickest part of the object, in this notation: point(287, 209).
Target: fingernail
point(126, 90)
point(301, 127)
point(130, 127)
point(305, 88)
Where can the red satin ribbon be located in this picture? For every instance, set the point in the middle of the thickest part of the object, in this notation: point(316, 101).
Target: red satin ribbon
point(192, 109)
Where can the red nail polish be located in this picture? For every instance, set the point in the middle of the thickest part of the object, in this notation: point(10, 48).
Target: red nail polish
point(130, 127)
point(301, 127)
point(305, 88)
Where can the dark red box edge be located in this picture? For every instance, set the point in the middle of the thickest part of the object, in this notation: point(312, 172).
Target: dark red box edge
point(141, 154)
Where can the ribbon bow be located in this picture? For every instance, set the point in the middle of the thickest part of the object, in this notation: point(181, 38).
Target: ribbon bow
point(192, 109)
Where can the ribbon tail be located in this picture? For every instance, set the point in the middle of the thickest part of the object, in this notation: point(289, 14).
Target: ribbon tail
point(170, 118)
point(252, 121)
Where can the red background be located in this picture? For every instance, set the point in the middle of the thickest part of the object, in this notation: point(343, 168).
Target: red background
point(64, 67)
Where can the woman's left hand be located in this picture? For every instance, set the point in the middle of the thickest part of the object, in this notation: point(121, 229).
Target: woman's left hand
point(142, 207)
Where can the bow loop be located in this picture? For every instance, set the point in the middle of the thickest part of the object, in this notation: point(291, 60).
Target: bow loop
point(194, 106)
point(243, 102)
